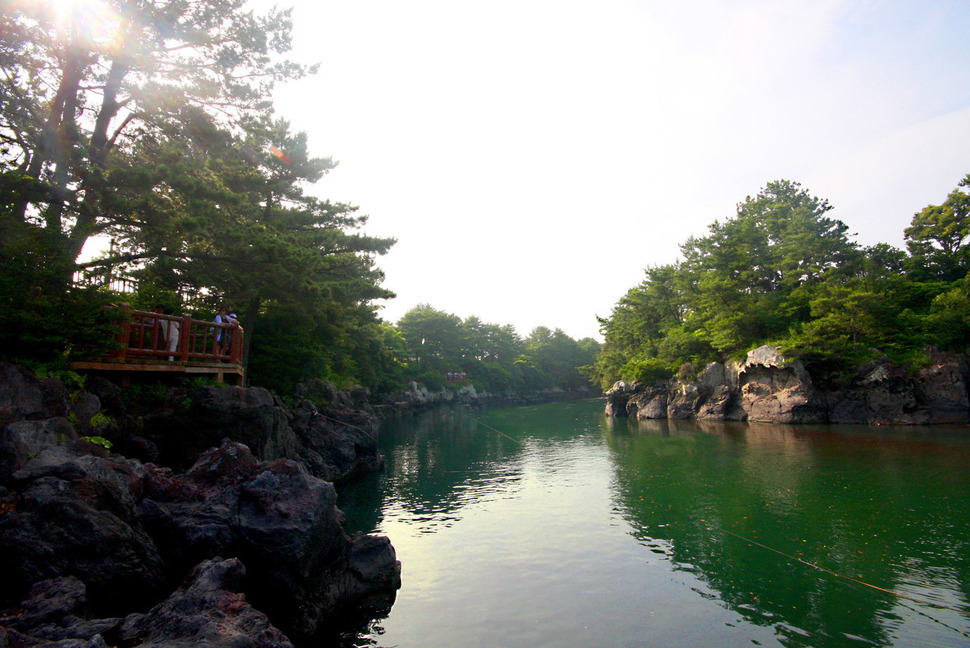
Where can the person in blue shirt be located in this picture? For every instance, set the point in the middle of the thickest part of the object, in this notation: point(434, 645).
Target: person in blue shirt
point(224, 336)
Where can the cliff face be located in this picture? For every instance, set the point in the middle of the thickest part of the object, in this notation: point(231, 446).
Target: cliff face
point(244, 516)
point(769, 388)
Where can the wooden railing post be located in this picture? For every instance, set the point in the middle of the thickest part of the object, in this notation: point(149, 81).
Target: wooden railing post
point(124, 334)
point(156, 329)
point(185, 332)
point(236, 345)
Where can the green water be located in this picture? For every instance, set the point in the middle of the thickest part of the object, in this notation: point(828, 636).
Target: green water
point(555, 526)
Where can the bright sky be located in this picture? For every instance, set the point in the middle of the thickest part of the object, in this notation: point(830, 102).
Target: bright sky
point(532, 157)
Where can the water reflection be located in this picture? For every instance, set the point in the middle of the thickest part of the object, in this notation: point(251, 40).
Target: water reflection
point(831, 534)
point(556, 526)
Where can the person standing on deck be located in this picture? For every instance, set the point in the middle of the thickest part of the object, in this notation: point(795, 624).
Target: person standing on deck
point(171, 334)
point(223, 336)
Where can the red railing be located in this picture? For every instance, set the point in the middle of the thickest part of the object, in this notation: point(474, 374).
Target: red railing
point(171, 338)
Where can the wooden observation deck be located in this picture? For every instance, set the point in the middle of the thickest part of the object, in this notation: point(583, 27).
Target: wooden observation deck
point(154, 343)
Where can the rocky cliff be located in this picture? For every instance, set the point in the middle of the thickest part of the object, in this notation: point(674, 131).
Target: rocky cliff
point(770, 388)
point(238, 541)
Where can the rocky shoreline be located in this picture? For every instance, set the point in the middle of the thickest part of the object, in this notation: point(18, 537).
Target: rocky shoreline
point(212, 521)
point(769, 388)
point(418, 398)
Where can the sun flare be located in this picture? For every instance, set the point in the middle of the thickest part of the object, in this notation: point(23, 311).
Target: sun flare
point(93, 18)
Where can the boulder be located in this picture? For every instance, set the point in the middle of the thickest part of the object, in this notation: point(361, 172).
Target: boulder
point(55, 611)
point(85, 531)
point(277, 519)
point(209, 609)
point(776, 390)
point(890, 396)
point(83, 408)
point(20, 441)
point(339, 445)
point(617, 398)
point(683, 401)
point(848, 407)
point(24, 397)
point(935, 394)
point(206, 415)
point(720, 404)
point(941, 388)
point(109, 394)
point(648, 404)
point(75, 516)
point(48, 602)
point(321, 393)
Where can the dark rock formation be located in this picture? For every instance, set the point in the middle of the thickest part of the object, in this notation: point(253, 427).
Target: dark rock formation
point(75, 516)
point(774, 390)
point(339, 445)
point(282, 523)
point(55, 611)
point(618, 398)
point(333, 433)
point(88, 536)
point(23, 397)
point(208, 610)
point(769, 388)
point(20, 441)
point(648, 404)
point(197, 420)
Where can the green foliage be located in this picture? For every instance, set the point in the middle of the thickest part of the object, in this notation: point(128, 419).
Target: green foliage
point(938, 235)
point(492, 357)
point(148, 395)
point(101, 421)
point(99, 441)
point(647, 371)
point(72, 380)
point(781, 272)
point(434, 339)
point(162, 143)
point(948, 320)
point(432, 379)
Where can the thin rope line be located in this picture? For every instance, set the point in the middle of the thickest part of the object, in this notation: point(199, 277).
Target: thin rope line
point(848, 578)
point(483, 424)
point(373, 435)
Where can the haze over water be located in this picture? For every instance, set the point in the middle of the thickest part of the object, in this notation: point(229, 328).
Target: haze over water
point(554, 526)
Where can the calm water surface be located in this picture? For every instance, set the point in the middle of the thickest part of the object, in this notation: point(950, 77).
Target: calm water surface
point(555, 526)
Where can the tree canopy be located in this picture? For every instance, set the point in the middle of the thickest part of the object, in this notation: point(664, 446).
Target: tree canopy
point(782, 272)
point(492, 356)
point(938, 236)
point(150, 125)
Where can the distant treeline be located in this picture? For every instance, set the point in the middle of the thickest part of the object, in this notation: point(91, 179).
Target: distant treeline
point(782, 272)
point(432, 343)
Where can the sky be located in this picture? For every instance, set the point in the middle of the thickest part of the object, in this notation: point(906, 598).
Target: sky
point(533, 157)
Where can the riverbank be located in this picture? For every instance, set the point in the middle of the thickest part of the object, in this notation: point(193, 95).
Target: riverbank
point(417, 398)
point(770, 388)
point(211, 521)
